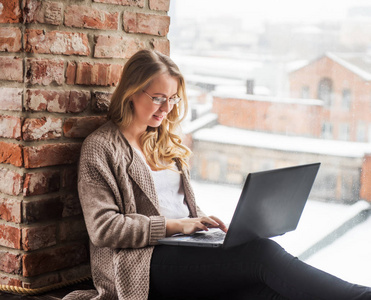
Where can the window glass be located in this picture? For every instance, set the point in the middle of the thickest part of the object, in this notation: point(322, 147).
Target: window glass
point(274, 84)
point(325, 91)
point(346, 99)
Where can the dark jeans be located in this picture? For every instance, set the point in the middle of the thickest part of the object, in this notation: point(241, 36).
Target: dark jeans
point(260, 269)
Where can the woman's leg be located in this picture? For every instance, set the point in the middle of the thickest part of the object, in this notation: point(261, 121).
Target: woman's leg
point(260, 267)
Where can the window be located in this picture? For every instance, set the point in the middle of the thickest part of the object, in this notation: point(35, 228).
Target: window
point(346, 99)
point(325, 91)
point(291, 51)
point(344, 132)
point(361, 131)
point(305, 92)
point(327, 130)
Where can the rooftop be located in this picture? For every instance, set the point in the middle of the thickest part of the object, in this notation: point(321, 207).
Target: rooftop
point(242, 137)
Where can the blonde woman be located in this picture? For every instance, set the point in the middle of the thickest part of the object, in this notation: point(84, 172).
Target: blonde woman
point(134, 189)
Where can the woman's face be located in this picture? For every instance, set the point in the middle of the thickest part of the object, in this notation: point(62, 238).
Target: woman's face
point(147, 113)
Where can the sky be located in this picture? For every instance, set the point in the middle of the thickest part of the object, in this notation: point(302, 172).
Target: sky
point(266, 10)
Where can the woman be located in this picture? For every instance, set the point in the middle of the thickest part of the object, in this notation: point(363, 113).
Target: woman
point(134, 189)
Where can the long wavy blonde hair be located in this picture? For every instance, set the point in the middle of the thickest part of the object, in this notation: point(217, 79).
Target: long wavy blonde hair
point(160, 145)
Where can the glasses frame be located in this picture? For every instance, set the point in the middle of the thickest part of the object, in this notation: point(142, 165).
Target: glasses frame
point(162, 100)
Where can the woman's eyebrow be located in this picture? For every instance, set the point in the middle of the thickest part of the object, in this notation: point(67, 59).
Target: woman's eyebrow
point(162, 94)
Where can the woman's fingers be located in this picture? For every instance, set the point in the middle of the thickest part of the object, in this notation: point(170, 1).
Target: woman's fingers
point(209, 222)
point(222, 226)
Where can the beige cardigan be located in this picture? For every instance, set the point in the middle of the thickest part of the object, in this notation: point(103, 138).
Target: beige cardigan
point(120, 208)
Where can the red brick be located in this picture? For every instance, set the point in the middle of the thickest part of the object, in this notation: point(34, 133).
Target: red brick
point(44, 71)
point(44, 280)
point(365, 189)
point(42, 210)
point(159, 5)
point(117, 46)
point(11, 281)
point(71, 205)
point(10, 182)
point(10, 11)
point(56, 42)
point(41, 183)
point(34, 238)
point(161, 45)
point(88, 17)
point(54, 259)
point(79, 127)
point(10, 127)
point(11, 210)
point(101, 101)
point(98, 74)
point(71, 72)
point(11, 153)
point(51, 155)
point(57, 101)
point(146, 23)
point(47, 12)
point(10, 263)
point(46, 100)
point(42, 129)
point(78, 101)
point(11, 68)
point(138, 3)
point(10, 39)
point(72, 230)
point(10, 236)
point(11, 99)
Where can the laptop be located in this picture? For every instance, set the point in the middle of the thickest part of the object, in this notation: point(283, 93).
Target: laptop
point(270, 204)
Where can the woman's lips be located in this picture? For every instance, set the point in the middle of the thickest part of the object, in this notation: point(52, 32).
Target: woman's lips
point(158, 118)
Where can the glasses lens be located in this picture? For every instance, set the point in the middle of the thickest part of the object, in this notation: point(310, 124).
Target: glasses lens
point(158, 100)
point(174, 100)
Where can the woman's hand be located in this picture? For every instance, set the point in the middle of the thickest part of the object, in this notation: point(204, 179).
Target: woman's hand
point(192, 225)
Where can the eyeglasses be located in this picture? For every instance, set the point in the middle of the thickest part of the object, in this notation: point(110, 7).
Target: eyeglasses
point(161, 100)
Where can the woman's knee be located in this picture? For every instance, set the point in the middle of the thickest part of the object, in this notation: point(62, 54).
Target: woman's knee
point(264, 249)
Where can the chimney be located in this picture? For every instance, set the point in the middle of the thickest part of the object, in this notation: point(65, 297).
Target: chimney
point(250, 86)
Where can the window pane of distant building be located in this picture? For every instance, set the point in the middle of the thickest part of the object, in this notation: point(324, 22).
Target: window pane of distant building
point(325, 91)
point(361, 131)
point(344, 132)
point(346, 99)
point(369, 133)
point(327, 130)
point(305, 92)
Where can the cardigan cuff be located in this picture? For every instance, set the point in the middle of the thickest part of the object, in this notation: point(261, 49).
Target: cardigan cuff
point(157, 229)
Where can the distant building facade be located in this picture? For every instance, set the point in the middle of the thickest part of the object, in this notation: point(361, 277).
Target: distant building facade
point(226, 155)
point(328, 119)
point(343, 83)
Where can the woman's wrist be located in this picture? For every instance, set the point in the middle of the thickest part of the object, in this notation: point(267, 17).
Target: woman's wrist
point(172, 227)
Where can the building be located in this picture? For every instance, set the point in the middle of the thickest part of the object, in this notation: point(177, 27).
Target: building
point(342, 82)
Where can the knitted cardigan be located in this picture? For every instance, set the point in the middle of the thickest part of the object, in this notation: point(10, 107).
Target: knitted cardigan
point(120, 208)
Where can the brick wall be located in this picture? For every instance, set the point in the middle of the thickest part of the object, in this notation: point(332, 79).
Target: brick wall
point(59, 64)
point(252, 113)
point(342, 78)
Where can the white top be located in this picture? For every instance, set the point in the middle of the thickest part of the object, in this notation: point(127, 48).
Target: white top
point(170, 192)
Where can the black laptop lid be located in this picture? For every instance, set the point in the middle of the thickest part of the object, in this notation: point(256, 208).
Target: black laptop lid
point(271, 203)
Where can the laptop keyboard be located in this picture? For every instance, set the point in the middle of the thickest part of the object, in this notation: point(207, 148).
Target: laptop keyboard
point(214, 236)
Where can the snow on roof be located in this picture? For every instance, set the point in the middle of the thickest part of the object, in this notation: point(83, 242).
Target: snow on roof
point(234, 136)
point(243, 96)
point(358, 63)
point(213, 80)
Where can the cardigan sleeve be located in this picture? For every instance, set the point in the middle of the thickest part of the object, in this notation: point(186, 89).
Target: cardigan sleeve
point(99, 195)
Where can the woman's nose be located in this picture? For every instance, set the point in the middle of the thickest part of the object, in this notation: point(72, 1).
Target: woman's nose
point(166, 106)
